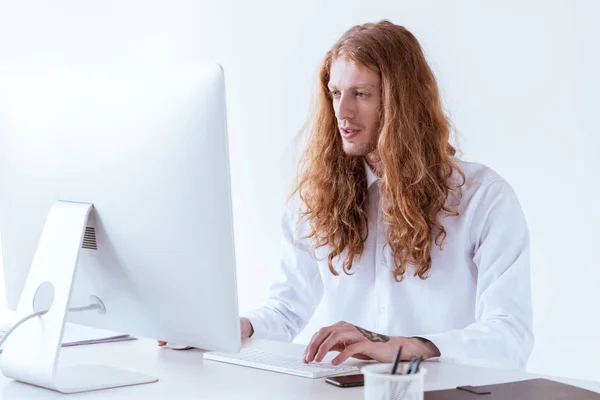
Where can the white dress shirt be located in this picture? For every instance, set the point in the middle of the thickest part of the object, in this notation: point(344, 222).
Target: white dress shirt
point(475, 306)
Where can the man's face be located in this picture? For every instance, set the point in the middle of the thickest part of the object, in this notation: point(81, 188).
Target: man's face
point(355, 92)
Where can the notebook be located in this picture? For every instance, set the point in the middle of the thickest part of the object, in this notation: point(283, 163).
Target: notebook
point(534, 389)
point(77, 335)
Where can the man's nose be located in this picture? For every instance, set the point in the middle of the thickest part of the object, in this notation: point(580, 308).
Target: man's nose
point(345, 108)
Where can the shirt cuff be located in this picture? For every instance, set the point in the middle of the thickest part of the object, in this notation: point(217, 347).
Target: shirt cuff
point(258, 325)
point(445, 344)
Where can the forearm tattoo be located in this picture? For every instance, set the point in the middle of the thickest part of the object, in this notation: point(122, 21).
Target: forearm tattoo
point(372, 336)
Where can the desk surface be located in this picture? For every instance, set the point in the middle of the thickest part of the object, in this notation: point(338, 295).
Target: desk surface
point(186, 375)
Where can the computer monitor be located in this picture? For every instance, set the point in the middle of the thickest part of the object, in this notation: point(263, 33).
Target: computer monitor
point(115, 191)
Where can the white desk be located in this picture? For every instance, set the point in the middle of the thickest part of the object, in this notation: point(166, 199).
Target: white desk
point(185, 375)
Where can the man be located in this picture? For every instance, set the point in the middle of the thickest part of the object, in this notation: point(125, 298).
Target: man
point(405, 244)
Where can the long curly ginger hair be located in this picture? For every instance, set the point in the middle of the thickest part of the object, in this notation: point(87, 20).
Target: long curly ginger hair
point(417, 162)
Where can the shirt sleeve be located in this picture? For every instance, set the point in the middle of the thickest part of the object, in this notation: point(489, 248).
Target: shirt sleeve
point(501, 335)
point(296, 292)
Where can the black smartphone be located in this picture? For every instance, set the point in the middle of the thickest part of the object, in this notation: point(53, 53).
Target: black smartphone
point(346, 380)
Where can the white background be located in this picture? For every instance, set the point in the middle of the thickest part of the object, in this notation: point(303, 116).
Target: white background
point(519, 78)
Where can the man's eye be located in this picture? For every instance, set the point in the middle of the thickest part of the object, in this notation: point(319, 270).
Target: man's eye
point(334, 93)
point(361, 94)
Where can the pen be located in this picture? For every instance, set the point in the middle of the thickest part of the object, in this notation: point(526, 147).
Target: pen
point(413, 366)
point(396, 360)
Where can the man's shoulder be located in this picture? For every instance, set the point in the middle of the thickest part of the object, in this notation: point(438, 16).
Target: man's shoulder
point(293, 220)
point(293, 206)
point(483, 184)
point(479, 176)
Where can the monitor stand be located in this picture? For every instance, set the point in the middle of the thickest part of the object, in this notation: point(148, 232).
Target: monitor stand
point(32, 352)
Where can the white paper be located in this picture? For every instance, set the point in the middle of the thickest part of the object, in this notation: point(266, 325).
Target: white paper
point(76, 335)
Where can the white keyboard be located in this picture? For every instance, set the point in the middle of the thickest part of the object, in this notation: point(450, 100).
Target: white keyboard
point(260, 359)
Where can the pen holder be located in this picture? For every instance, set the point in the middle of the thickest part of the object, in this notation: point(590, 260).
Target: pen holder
point(381, 385)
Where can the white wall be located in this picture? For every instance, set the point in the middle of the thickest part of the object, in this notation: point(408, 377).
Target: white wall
point(520, 80)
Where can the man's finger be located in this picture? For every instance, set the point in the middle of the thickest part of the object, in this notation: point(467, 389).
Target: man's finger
point(348, 352)
point(328, 344)
point(338, 347)
point(311, 340)
point(161, 343)
point(315, 343)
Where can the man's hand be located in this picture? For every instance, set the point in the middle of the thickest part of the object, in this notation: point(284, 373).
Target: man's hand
point(245, 328)
point(354, 341)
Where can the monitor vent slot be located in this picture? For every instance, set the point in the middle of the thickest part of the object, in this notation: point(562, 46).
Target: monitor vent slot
point(89, 239)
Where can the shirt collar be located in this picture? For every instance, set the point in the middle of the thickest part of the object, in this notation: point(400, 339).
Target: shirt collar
point(371, 177)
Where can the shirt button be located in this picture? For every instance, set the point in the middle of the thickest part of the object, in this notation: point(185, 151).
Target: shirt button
point(382, 309)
